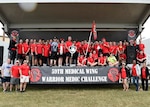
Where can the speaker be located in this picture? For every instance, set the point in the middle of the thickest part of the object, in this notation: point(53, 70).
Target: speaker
point(1, 55)
point(131, 54)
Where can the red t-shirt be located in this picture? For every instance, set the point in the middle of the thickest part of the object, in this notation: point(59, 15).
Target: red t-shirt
point(68, 44)
point(15, 71)
point(80, 59)
point(102, 59)
point(105, 47)
point(19, 47)
point(97, 47)
point(143, 75)
point(90, 59)
point(141, 56)
point(39, 48)
point(111, 49)
point(120, 48)
point(123, 73)
point(141, 47)
point(85, 47)
point(33, 46)
point(26, 47)
point(114, 50)
point(95, 56)
point(25, 69)
point(134, 70)
point(78, 45)
point(46, 50)
point(123, 56)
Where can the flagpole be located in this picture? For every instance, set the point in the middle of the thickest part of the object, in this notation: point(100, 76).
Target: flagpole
point(88, 43)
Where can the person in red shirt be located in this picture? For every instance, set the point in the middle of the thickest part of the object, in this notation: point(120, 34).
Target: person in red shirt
point(81, 60)
point(122, 57)
point(46, 51)
point(15, 74)
point(135, 74)
point(97, 47)
point(111, 48)
point(25, 50)
point(105, 47)
point(24, 75)
point(33, 47)
point(102, 60)
point(120, 48)
point(86, 48)
point(144, 76)
point(114, 49)
point(68, 44)
point(95, 56)
point(39, 52)
point(124, 75)
point(141, 57)
point(91, 61)
point(61, 52)
point(19, 50)
point(141, 46)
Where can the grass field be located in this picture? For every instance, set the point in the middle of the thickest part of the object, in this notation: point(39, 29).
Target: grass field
point(75, 96)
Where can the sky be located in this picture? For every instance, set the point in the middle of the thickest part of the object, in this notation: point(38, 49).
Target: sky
point(145, 34)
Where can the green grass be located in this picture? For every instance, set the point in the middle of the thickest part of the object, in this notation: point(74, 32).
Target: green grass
point(75, 96)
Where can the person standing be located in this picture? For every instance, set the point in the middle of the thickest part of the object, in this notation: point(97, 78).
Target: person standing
point(6, 67)
point(135, 74)
point(144, 77)
point(68, 44)
point(12, 49)
point(24, 76)
point(15, 74)
point(54, 49)
point(124, 75)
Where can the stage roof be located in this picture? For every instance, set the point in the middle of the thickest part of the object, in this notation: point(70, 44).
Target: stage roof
point(75, 15)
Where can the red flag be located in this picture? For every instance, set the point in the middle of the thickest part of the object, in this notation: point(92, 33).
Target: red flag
point(94, 30)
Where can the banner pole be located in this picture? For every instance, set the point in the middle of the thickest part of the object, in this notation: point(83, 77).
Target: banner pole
point(88, 43)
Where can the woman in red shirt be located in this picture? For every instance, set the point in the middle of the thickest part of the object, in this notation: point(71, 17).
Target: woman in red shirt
point(81, 61)
point(25, 50)
point(101, 60)
point(19, 50)
point(91, 61)
point(61, 52)
point(124, 75)
point(32, 47)
point(141, 57)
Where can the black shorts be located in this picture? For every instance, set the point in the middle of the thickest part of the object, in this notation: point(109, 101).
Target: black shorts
point(13, 54)
point(45, 59)
point(54, 55)
point(68, 54)
point(5, 79)
point(19, 56)
point(61, 56)
point(39, 56)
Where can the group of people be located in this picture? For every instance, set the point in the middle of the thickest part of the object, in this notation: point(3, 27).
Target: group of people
point(15, 75)
point(55, 52)
point(135, 72)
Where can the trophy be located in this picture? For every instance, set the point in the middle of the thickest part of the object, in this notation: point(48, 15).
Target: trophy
point(72, 50)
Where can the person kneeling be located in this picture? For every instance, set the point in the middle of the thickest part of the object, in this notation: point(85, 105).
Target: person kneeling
point(81, 60)
point(102, 60)
point(91, 61)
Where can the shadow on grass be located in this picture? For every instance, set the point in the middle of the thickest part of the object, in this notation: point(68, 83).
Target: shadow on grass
point(44, 87)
